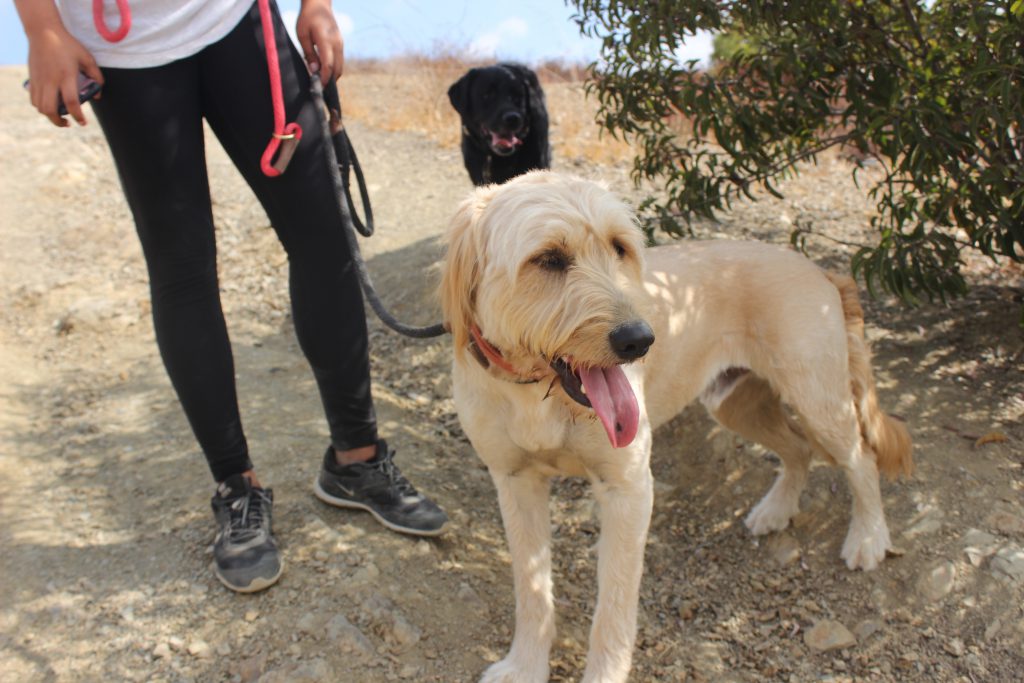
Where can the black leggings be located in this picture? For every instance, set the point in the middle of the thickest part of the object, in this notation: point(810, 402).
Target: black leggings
point(153, 121)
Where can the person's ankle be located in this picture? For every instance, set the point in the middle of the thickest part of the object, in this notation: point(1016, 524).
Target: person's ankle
point(354, 455)
point(253, 481)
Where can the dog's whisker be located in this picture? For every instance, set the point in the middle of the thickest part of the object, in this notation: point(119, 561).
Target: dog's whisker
point(551, 387)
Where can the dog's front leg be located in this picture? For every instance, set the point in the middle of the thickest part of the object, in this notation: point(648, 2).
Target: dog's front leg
point(625, 514)
point(523, 498)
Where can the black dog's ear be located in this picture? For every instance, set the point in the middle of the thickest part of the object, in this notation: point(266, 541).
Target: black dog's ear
point(458, 93)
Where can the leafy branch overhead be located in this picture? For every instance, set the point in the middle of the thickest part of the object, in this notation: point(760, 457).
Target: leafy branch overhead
point(931, 91)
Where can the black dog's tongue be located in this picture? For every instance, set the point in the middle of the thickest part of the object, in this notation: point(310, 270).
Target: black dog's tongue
point(504, 142)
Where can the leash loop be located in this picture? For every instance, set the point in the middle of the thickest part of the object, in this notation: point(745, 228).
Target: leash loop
point(101, 24)
point(339, 146)
point(285, 137)
point(348, 162)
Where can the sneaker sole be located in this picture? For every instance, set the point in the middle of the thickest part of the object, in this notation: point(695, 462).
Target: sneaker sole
point(319, 492)
point(255, 586)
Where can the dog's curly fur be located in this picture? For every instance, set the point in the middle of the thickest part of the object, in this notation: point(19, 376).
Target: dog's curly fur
point(542, 275)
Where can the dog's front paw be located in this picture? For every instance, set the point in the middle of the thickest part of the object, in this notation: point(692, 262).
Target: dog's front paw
point(865, 548)
point(771, 514)
point(510, 671)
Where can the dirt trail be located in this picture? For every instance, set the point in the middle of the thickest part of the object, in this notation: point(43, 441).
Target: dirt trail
point(105, 526)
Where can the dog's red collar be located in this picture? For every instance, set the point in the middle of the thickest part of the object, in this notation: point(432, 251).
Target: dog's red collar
point(487, 355)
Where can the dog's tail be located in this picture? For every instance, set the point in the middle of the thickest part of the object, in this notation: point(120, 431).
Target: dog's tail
point(887, 436)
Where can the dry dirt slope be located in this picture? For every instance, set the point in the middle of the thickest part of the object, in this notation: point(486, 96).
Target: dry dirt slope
point(104, 526)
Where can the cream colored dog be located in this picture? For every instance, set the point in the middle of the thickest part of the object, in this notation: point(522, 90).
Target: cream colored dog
point(552, 309)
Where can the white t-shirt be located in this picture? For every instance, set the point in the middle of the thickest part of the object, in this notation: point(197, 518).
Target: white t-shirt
point(162, 31)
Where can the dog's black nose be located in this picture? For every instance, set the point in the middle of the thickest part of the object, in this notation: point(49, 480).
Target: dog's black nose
point(631, 340)
point(513, 120)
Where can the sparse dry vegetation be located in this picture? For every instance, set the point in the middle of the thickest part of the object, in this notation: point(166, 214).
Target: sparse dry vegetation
point(410, 93)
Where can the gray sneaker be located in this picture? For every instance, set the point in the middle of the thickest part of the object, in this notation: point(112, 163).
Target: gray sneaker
point(380, 488)
point(245, 553)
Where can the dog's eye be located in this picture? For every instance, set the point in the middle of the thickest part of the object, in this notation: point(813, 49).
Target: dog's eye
point(620, 248)
point(553, 260)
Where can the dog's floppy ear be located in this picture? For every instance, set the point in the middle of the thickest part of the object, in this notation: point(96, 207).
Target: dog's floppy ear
point(463, 265)
point(458, 93)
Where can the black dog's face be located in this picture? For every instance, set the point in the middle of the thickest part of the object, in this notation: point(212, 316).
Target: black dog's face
point(494, 105)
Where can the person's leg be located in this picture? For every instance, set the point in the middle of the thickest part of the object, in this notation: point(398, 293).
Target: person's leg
point(330, 321)
point(153, 124)
point(326, 300)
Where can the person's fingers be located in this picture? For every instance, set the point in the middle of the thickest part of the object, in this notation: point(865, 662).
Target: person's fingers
point(309, 50)
point(90, 69)
point(72, 104)
point(332, 51)
point(327, 64)
point(44, 99)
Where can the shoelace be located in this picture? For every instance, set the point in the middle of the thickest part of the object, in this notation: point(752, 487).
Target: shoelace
point(394, 475)
point(246, 519)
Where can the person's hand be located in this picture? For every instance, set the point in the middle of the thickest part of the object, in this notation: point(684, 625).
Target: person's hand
point(54, 60)
point(320, 38)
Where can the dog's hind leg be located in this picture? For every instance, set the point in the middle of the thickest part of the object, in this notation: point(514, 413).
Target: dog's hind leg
point(753, 410)
point(831, 420)
point(625, 514)
point(523, 498)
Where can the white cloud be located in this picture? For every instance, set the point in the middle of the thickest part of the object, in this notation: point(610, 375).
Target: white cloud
point(488, 44)
point(345, 24)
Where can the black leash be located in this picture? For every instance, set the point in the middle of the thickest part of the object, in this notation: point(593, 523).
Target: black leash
point(342, 161)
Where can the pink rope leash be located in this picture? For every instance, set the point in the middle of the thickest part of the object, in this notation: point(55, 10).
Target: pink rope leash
point(285, 137)
point(101, 25)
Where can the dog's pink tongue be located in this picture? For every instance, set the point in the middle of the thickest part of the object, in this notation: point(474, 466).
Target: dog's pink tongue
point(614, 402)
point(505, 142)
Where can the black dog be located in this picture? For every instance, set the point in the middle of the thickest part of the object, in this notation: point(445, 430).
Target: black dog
point(504, 122)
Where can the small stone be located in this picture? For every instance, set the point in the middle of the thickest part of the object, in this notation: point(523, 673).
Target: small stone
point(466, 593)
point(828, 635)
point(992, 630)
point(176, 643)
point(200, 649)
point(937, 581)
point(979, 545)
point(907, 660)
point(1006, 523)
point(314, 671)
point(928, 521)
point(784, 549)
point(954, 646)
point(866, 629)
point(368, 573)
point(252, 615)
point(346, 637)
point(162, 651)
point(250, 669)
point(308, 623)
point(1008, 563)
point(404, 633)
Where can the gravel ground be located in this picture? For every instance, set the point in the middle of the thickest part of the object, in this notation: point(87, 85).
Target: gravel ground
point(105, 528)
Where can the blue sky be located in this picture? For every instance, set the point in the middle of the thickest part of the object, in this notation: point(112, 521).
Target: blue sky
point(527, 31)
